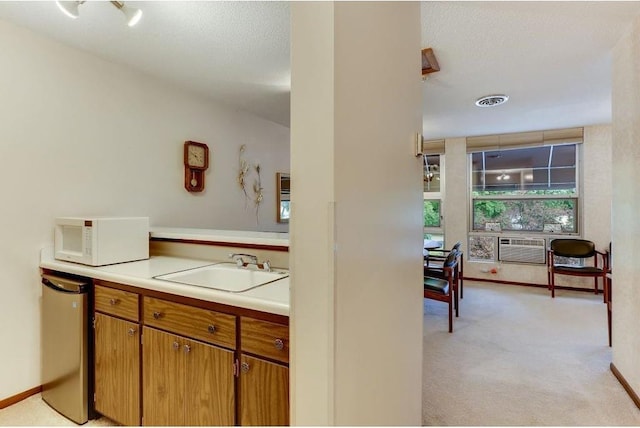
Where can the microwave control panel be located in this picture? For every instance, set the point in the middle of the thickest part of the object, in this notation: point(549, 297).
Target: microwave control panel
point(87, 231)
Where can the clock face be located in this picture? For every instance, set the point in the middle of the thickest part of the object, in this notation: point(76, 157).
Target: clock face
point(196, 156)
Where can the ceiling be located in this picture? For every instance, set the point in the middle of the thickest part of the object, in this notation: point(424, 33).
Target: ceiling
point(553, 59)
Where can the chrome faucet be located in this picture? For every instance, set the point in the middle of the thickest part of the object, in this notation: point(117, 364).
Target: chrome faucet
point(253, 260)
point(239, 259)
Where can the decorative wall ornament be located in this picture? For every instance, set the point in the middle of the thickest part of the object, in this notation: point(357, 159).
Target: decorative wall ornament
point(243, 172)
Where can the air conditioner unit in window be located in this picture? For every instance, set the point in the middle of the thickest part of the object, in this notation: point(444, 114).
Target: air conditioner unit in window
point(522, 250)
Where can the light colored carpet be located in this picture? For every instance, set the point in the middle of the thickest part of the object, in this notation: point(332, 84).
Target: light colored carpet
point(35, 412)
point(518, 357)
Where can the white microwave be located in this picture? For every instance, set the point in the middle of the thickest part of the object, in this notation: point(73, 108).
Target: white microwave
point(101, 241)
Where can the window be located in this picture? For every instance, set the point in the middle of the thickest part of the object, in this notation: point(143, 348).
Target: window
point(552, 215)
point(531, 189)
point(482, 248)
point(432, 174)
point(432, 184)
point(432, 213)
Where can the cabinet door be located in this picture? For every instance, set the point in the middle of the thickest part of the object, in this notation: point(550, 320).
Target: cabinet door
point(117, 369)
point(264, 392)
point(162, 378)
point(209, 382)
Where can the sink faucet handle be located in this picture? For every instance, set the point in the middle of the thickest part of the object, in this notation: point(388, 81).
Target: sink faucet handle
point(266, 266)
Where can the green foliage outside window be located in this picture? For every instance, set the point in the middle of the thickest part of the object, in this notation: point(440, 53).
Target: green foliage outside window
point(526, 214)
point(431, 213)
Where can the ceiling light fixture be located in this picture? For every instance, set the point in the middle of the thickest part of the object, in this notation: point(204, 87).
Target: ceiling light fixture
point(133, 14)
point(70, 8)
point(492, 100)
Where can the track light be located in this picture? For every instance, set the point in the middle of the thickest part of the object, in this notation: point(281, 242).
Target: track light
point(70, 8)
point(133, 14)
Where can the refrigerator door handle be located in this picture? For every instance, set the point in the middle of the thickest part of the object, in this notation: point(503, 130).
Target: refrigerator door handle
point(63, 285)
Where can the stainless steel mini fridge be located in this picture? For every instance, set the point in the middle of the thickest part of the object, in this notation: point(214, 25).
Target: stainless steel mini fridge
point(65, 346)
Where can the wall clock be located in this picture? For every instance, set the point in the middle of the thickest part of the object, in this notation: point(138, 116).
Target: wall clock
point(196, 162)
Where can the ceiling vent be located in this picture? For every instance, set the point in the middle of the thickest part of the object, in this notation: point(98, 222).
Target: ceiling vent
point(491, 100)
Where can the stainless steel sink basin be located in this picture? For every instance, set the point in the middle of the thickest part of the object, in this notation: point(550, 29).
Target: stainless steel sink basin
point(224, 277)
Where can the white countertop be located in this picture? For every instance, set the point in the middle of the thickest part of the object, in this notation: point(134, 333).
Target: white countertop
point(279, 239)
point(272, 298)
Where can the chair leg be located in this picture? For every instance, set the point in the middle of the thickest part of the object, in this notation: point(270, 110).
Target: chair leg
point(461, 277)
point(553, 285)
point(609, 323)
point(456, 301)
point(595, 285)
point(450, 315)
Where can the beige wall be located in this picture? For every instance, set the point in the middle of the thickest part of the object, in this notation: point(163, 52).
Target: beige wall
point(596, 207)
point(626, 206)
point(355, 233)
point(82, 136)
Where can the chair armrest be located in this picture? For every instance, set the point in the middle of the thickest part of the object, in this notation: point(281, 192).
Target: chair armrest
point(605, 258)
point(438, 256)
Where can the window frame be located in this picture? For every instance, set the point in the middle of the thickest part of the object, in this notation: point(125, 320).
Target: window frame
point(436, 196)
point(577, 196)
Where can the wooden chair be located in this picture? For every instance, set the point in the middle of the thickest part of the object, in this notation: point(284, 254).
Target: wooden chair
point(579, 249)
point(445, 289)
point(433, 265)
point(607, 291)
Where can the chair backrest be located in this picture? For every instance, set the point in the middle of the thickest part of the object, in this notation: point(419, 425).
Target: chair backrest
point(456, 246)
point(578, 248)
point(452, 259)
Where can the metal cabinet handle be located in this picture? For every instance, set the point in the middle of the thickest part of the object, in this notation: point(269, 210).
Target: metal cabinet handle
point(176, 345)
point(187, 348)
point(157, 315)
point(279, 344)
point(114, 301)
point(244, 367)
point(131, 331)
point(211, 329)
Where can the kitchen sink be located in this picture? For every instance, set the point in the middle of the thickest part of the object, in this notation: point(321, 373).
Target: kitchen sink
point(224, 276)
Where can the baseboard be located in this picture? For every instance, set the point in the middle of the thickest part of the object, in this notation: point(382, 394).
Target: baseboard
point(19, 397)
point(625, 385)
point(529, 284)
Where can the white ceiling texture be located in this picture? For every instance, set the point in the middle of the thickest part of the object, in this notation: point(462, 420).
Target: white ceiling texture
point(553, 59)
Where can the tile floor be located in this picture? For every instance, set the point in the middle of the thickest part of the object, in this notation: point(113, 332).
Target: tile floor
point(35, 412)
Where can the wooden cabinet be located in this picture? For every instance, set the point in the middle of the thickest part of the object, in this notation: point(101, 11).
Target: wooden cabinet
point(187, 381)
point(264, 384)
point(208, 326)
point(264, 392)
point(163, 362)
point(117, 360)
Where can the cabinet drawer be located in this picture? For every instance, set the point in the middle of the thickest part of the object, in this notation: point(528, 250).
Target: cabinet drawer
point(116, 302)
point(202, 324)
point(265, 338)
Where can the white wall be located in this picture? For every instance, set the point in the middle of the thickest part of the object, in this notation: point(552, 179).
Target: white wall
point(82, 136)
point(626, 206)
point(356, 264)
point(596, 207)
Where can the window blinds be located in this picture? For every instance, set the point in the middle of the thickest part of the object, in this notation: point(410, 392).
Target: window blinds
point(524, 139)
